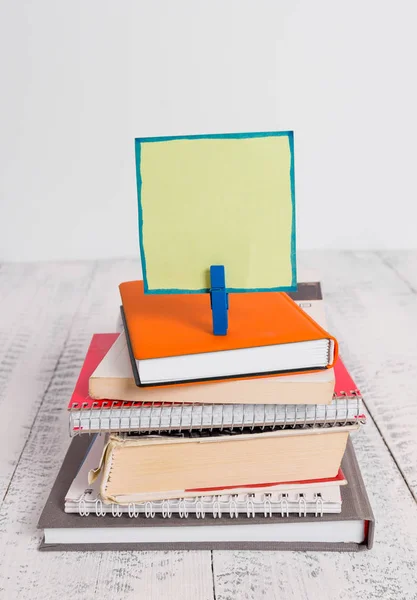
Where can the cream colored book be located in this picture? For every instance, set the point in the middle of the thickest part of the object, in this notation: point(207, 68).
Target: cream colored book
point(113, 380)
point(148, 468)
point(314, 496)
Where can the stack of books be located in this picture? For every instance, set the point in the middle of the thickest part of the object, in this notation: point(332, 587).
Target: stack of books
point(221, 416)
point(185, 440)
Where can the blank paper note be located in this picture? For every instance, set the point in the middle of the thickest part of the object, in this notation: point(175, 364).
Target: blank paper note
point(217, 200)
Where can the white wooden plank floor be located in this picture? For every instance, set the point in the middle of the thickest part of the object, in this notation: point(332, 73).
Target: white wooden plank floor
point(48, 313)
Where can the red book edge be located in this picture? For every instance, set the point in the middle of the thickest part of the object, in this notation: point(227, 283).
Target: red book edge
point(339, 478)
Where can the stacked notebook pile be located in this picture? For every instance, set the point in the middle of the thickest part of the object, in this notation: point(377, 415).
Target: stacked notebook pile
point(182, 439)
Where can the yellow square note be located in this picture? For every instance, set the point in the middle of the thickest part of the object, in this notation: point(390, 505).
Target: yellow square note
point(217, 200)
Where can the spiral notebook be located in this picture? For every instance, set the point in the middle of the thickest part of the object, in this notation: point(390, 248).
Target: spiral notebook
point(350, 530)
point(158, 418)
point(88, 415)
point(316, 496)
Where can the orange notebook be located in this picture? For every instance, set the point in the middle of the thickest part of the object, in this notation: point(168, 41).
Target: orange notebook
point(171, 341)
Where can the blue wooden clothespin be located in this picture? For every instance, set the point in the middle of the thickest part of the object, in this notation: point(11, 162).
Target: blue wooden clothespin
point(219, 299)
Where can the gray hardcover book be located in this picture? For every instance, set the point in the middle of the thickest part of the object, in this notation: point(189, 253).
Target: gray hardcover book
point(351, 530)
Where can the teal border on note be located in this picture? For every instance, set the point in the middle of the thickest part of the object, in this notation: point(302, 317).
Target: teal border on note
point(146, 140)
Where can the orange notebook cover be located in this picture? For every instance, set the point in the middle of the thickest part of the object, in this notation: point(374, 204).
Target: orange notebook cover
point(167, 325)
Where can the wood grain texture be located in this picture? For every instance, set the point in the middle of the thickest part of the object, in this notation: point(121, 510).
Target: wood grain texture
point(48, 314)
point(388, 571)
point(404, 263)
point(36, 312)
point(372, 310)
point(27, 573)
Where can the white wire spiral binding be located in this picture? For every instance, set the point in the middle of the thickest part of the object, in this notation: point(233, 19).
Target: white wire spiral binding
point(267, 505)
point(82, 507)
point(130, 415)
point(182, 412)
point(119, 420)
point(325, 415)
point(222, 419)
point(100, 420)
point(110, 417)
point(250, 507)
point(116, 510)
point(217, 511)
point(233, 509)
point(212, 417)
point(305, 419)
point(100, 512)
point(284, 505)
point(166, 510)
point(263, 422)
point(182, 511)
point(149, 510)
point(315, 416)
point(218, 507)
point(232, 424)
point(133, 511)
point(319, 502)
point(253, 420)
point(199, 509)
point(201, 421)
point(302, 506)
point(286, 416)
point(295, 418)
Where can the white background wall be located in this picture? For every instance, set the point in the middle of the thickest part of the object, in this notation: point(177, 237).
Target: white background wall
point(81, 78)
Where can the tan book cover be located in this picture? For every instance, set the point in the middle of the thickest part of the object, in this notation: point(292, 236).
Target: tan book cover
point(113, 379)
point(145, 468)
